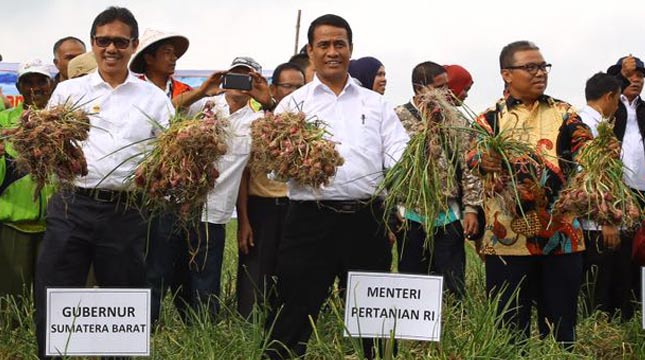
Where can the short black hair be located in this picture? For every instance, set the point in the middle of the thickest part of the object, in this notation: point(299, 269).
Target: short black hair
point(331, 20)
point(60, 42)
point(507, 56)
point(114, 13)
point(599, 85)
point(300, 60)
point(423, 74)
point(285, 66)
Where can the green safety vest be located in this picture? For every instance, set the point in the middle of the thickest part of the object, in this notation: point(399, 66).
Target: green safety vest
point(17, 206)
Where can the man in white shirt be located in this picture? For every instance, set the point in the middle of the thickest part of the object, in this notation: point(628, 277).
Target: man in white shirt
point(630, 131)
point(339, 227)
point(92, 223)
point(198, 266)
point(606, 259)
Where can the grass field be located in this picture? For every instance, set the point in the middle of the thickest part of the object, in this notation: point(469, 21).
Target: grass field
point(469, 330)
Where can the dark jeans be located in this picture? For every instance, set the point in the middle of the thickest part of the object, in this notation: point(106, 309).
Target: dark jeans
point(610, 276)
point(319, 244)
point(167, 250)
point(550, 281)
point(188, 262)
point(83, 231)
point(255, 269)
point(446, 257)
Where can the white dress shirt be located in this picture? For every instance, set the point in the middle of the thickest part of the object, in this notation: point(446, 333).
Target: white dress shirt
point(591, 117)
point(121, 118)
point(368, 133)
point(221, 200)
point(633, 151)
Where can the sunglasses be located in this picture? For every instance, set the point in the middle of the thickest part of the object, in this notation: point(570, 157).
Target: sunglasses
point(105, 41)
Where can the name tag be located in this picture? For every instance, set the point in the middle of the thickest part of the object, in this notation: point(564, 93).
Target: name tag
point(393, 305)
point(98, 322)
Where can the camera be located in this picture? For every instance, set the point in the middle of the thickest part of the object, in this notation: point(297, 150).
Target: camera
point(237, 81)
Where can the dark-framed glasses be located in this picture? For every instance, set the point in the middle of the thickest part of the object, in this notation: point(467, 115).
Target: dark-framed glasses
point(105, 41)
point(531, 68)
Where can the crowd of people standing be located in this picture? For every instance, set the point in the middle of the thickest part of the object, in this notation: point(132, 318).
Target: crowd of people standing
point(294, 241)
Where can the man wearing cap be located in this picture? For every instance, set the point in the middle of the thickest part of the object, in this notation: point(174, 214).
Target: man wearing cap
point(630, 130)
point(267, 206)
point(22, 219)
point(199, 274)
point(66, 49)
point(338, 228)
point(95, 222)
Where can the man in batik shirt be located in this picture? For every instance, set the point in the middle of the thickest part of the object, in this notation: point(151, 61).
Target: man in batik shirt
point(531, 256)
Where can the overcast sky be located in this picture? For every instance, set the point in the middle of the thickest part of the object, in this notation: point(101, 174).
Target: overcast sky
point(578, 37)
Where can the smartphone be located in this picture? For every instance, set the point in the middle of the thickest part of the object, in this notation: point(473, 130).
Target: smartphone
point(237, 81)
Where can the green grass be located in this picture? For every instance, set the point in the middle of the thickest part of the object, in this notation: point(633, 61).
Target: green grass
point(469, 330)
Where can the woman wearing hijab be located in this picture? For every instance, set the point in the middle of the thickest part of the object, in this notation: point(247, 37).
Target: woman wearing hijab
point(459, 81)
point(369, 72)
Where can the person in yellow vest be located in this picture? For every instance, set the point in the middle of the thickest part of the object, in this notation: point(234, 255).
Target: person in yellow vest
point(22, 219)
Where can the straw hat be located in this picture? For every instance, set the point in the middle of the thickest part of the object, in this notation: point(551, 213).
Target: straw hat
point(151, 37)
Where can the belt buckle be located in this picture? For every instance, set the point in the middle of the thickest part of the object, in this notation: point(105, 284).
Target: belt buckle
point(103, 195)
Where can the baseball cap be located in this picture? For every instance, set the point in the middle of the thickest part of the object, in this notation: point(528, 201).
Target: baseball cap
point(615, 69)
point(247, 62)
point(34, 66)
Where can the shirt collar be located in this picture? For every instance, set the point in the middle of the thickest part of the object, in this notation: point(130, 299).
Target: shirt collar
point(511, 102)
point(96, 79)
point(593, 113)
point(626, 102)
point(349, 84)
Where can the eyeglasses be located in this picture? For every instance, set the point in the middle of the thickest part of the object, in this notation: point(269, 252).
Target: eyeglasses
point(105, 41)
point(288, 86)
point(531, 68)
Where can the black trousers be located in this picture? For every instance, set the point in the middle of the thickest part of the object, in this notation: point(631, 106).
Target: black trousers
point(255, 269)
point(319, 244)
point(610, 276)
point(446, 257)
point(550, 281)
point(83, 231)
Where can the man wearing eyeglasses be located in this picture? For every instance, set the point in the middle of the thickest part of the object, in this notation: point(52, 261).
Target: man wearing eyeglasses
point(95, 222)
point(261, 228)
point(527, 250)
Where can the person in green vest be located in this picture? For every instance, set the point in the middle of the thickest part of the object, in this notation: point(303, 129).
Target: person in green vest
point(22, 219)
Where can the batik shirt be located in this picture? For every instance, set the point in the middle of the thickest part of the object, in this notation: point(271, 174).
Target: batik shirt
point(556, 133)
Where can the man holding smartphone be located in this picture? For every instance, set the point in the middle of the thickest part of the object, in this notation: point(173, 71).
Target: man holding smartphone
point(199, 277)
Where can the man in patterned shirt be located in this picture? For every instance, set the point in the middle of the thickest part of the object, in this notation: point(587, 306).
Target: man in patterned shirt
point(447, 256)
point(531, 256)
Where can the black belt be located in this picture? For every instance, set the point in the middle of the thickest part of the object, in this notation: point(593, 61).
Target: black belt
point(277, 201)
point(341, 206)
point(103, 195)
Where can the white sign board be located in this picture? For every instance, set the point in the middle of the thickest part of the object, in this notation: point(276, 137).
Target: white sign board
point(381, 304)
point(98, 322)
